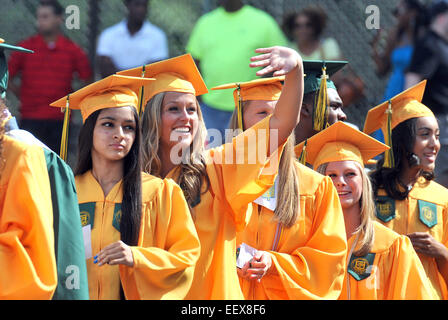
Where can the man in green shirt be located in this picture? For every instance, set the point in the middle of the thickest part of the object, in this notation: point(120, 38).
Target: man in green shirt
point(222, 43)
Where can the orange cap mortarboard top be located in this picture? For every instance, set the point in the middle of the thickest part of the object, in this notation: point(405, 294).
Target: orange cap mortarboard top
point(405, 105)
point(389, 114)
point(267, 89)
point(340, 142)
point(178, 74)
point(112, 92)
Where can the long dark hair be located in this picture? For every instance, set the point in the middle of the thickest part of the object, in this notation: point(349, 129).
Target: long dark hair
point(132, 181)
point(403, 139)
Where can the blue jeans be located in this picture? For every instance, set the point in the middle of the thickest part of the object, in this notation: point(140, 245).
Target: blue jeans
point(216, 119)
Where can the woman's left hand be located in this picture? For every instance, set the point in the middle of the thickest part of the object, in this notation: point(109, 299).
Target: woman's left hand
point(115, 253)
point(424, 243)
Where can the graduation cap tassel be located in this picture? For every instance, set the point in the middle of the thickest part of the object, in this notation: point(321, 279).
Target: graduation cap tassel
point(64, 138)
point(389, 154)
point(302, 158)
point(240, 108)
point(142, 92)
point(5, 121)
point(320, 108)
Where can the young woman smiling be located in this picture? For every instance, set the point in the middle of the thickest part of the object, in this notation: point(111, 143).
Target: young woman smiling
point(381, 264)
point(218, 190)
point(295, 226)
point(408, 200)
point(141, 250)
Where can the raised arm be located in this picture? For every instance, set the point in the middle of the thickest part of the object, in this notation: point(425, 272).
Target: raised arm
point(283, 61)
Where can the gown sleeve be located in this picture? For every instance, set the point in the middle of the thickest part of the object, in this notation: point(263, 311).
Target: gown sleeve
point(407, 277)
point(27, 258)
point(168, 249)
point(315, 270)
point(244, 169)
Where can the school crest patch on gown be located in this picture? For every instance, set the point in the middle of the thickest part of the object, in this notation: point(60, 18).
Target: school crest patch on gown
point(117, 216)
point(361, 267)
point(87, 213)
point(427, 213)
point(385, 208)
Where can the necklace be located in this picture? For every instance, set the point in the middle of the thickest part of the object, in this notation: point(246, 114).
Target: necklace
point(407, 187)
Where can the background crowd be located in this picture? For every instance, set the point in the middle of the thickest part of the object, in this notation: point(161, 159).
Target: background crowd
point(335, 30)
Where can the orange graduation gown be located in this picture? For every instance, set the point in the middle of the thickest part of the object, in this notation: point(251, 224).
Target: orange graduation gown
point(411, 216)
point(222, 210)
point(167, 249)
point(27, 259)
point(308, 262)
point(394, 272)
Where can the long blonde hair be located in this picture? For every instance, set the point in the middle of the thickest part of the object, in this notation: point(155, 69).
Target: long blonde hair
point(192, 169)
point(288, 204)
point(367, 212)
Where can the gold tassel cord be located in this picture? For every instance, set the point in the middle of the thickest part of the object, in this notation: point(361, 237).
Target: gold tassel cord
point(302, 158)
point(320, 107)
point(142, 93)
point(5, 121)
point(64, 138)
point(389, 161)
point(240, 108)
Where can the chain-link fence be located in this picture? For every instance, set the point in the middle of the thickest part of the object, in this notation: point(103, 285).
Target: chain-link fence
point(346, 23)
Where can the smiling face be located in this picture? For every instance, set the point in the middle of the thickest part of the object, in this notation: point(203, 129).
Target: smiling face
point(179, 119)
point(113, 134)
point(347, 178)
point(427, 144)
point(256, 110)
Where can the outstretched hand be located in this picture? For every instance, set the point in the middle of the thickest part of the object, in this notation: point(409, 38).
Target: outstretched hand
point(280, 60)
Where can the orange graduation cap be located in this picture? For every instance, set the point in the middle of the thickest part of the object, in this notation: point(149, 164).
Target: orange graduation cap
point(268, 89)
point(340, 142)
point(112, 92)
point(389, 114)
point(179, 74)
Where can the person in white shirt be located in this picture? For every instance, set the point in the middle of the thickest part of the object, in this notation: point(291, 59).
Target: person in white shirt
point(132, 42)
